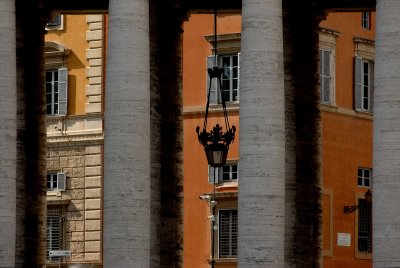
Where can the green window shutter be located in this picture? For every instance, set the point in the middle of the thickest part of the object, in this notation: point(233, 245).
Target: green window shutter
point(63, 91)
point(358, 83)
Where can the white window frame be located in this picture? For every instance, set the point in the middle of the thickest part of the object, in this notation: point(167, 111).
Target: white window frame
point(364, 84)
point(219, 173)
point(231, 234)
point(57, 181)
point(228, 76)
point(366, 20)
point(327, 42)
point(325, 75)
point(56, 91)
point(215, 94)
point(364, 180)
point(56, 23)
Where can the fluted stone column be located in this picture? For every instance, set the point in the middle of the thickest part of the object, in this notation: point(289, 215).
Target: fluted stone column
point(262, 136)
point(8, 131)
point(386, 154)
point(127, 137)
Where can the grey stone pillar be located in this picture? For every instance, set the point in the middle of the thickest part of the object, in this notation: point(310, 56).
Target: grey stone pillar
point(8, 131)
point(262, 136)
point(386, 145)
point(127, 137)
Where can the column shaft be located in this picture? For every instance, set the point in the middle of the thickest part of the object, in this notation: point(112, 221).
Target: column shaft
point(8, 131)
point(386, 145)
point(262, 136)
point(127, 137)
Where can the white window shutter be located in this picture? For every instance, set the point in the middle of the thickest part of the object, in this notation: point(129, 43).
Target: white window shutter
point(211, 173)
point(214, 82)
point(61, 181)
point(238, 93)
point(327, 74)
point(371, 87)
point(358, 83)
point(62, 91)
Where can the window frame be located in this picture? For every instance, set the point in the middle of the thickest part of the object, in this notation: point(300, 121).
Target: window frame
point(363, 177)
point(327, 42)
point(362, 254)
point(57, 181)
point(364, 84)
point(231, 236)
point(366, 20)
point(325, 98)
point(220, 173)
point(56, 23)
point(231, 78)
point(56, 240)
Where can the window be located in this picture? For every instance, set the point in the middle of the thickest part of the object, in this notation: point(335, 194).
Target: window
point(228, 233)
point(366, 20)
point(54, 231)
point(325, 75)
point(364, 177)
point(364, 226)
point(56, 181)
point(227, 173)
point(56, 23)
point(230, 78)
point(56, 91)
point(363, 84)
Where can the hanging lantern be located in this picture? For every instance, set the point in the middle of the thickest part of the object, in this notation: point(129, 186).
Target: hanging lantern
point(216, 142)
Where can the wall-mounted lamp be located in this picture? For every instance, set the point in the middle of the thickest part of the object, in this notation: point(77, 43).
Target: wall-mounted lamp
point(351, 209)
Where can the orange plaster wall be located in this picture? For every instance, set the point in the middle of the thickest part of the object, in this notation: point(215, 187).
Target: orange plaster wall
point(349, 26)
point(196, 48)
point(73, 37)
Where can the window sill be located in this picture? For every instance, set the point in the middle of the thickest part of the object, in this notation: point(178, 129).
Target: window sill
point(225, 260)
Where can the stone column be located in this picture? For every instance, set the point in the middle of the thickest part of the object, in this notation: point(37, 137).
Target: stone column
point(127, 137)
point(8, 131)
point(303, 230)
point(386, 144)
point(262, 136)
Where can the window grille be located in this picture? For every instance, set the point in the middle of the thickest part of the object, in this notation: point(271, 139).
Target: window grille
point(364, 226)
point(53, 232)
point(228, 229)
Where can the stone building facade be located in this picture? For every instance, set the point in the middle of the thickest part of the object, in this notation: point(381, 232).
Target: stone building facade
point(75, 144)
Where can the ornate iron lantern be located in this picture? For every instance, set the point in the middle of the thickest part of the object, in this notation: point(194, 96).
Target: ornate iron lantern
point(216, 142)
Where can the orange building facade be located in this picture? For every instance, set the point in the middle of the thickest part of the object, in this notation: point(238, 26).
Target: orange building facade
point(346, 76)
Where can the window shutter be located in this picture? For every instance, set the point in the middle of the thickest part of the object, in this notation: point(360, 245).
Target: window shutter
point(211, 174)
point(238, 93)
point(327, 76)
point(61, 181)
point(62, 91)
point(214, 82)
point(357, 83)
point(371, 91)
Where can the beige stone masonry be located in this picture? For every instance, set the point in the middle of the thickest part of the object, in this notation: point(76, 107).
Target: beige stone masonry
point(94, 35)
point(96, 44)
point(93, 204)
point(94, 18)
point(95, 62)
point(93, 171)
point(92, 246)
point(93, 193)
point(92, 236)
point(93, 149)
point(94, 53)
point(94, 71)
point(93, 160)
point(93, 214)
point(93, 182)
point(92, 256)
point(95, 99)
point(93, 225)
point(93, 107)
point(95, 80)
